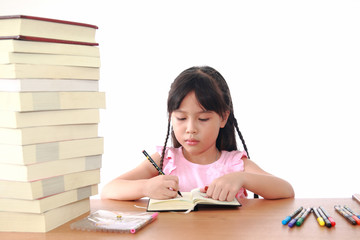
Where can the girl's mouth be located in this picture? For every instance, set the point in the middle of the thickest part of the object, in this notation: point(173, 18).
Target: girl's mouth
point(191, 142)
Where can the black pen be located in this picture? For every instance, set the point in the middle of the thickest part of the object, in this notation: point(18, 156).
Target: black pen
point(156, 166)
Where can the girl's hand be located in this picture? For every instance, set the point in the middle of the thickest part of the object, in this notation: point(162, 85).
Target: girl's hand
point(162, 187)
point(225, 187)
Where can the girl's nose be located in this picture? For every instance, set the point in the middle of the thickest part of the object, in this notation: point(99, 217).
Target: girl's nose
point(191, 127)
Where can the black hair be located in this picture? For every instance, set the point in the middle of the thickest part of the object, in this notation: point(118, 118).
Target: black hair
point(213, 94)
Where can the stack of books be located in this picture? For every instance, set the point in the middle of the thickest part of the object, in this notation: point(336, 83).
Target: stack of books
point(50, 151)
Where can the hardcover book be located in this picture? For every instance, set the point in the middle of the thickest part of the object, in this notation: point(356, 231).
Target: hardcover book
point(21, 44)
point(47, 29)
point(189, 201)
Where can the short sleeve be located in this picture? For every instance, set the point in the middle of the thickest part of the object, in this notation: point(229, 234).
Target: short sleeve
point(169, 164)
point(228, 163)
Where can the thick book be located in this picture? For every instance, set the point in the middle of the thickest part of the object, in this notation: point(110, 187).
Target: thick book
point(42, 222)
point(48, 186)
point(43, 152)
point(47, 203)
point(16, 44)
point(47, 29)
point(17, 70)
point(189, 201)
point(48, 85)
point(49, 40)
point(40, 101)
point(49, 59)
point(33, 172)
point(33, 135)
point(11, 119)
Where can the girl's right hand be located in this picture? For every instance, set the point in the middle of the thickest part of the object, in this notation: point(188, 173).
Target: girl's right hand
point(162, 187)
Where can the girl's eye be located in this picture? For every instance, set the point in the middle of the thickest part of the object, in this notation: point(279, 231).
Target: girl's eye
point(180, 119)
point(203, 119)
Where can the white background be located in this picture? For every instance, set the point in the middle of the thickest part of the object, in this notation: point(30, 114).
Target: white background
point(292, 67)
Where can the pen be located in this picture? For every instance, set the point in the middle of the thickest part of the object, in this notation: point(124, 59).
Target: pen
point(318, 217)
point(288, 218)
point(294, 220)
point(150, 219)
point(347, 208)
point(352, 214)
point(303, 217)
point(327, 221)
point(156, 166)
point(344, 214)
point(328, 216)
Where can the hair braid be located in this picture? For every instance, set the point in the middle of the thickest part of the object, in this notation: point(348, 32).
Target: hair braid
point(241, 137)
point(165, 143)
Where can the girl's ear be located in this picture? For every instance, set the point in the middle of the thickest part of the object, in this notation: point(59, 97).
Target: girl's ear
point(225, 117)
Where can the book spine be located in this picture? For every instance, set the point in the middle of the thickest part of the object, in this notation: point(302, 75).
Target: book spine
point(49, 20)
point(52, 40)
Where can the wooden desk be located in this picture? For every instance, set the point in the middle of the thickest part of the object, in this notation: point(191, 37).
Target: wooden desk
point(256, 219)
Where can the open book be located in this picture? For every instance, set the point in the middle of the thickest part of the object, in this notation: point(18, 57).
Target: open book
point(188, 202)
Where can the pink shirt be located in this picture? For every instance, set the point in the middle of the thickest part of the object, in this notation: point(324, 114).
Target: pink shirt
point(192, 175)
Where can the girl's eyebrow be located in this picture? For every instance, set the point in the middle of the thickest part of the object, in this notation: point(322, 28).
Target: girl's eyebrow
point(203, 111)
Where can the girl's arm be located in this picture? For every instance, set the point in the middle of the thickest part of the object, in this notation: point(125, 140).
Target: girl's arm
point(266, 185)
point(142, 181)
point(254, 179)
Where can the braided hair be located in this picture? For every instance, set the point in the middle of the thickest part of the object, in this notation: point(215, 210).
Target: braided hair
point(212, 92)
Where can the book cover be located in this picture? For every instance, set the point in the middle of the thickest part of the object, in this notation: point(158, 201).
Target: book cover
point(48, 186)
point(38, 27)
point(50, 40)
point(15, 44)
point(188, 202)
point(48, 20)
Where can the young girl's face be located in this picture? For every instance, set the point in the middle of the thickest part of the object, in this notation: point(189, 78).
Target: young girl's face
point(195, 128)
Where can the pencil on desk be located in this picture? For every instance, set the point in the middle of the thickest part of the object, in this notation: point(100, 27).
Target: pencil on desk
point(156, 166)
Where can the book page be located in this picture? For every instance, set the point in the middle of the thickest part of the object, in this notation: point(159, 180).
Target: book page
point(187, 197)
point(202, 198)
point(178, 203)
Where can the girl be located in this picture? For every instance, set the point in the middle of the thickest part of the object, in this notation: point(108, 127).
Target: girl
point(204, 154)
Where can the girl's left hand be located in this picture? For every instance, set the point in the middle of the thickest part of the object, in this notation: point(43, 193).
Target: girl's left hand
point(225, 187)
